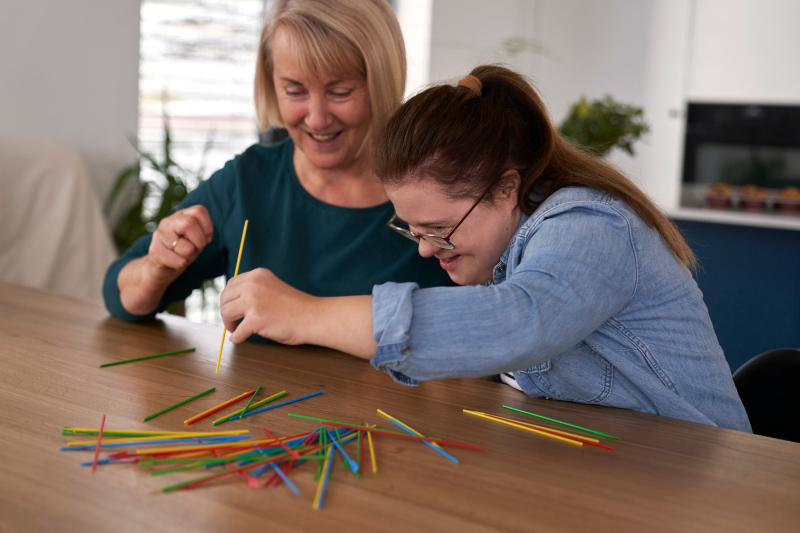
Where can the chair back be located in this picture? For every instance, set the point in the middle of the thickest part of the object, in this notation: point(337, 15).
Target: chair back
point(769, 386)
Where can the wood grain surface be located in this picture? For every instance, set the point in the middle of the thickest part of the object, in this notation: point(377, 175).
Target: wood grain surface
point(664, 475)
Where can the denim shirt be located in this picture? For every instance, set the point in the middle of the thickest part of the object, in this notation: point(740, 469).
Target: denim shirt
point(588, 304)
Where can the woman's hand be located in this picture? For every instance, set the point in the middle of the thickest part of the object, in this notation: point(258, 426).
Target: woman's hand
point(178, 240)
point(257, 302)
point(266, 306)
point(176, 243)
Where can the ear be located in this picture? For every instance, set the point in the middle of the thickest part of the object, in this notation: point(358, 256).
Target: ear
point(508, 186)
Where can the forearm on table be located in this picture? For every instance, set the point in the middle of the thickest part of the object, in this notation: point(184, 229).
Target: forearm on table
point(140, 291)
point(343, 323)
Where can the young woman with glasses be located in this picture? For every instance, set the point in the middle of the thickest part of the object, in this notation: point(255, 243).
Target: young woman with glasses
point(573, 284)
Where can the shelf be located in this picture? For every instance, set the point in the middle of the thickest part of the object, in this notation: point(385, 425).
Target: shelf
point(788, 221)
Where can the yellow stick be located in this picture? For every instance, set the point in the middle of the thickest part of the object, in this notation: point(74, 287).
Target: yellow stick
point(146, 439)
point(542, 427)
point(235, 273)
point(164, 433)
point(371, 450)
point(323, 477)
point(483, 415)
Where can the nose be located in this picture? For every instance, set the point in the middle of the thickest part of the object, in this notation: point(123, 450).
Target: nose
point(427, 249)
point(318, 115)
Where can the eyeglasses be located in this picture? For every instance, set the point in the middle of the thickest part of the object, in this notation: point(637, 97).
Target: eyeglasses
point(442, 241)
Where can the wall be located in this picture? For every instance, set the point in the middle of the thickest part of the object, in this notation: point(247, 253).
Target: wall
point(70, 70)
point(630, 49)
point(656, 54)
point(415, 21)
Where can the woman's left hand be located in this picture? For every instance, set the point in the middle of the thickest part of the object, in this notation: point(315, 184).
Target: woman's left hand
point(266, 306)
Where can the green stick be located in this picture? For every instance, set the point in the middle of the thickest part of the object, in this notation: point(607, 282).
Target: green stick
point(246, 407)
point(177, 404)
point(147, 357)
point(564, 423)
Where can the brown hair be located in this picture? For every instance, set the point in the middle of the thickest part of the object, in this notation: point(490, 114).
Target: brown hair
point(465, 140)
point(340, 38)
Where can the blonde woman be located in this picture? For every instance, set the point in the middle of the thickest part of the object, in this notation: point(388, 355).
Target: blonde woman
point(330, 72)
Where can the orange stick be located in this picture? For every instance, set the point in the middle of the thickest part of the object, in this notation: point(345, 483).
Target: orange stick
point(220, 407)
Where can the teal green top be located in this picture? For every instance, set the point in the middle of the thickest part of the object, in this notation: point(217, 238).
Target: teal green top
point(315, 247)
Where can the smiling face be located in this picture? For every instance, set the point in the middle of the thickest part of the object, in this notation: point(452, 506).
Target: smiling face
point(327, 117)
point(479, 241)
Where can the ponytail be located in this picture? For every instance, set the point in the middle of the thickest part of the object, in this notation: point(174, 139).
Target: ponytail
point(464, 140)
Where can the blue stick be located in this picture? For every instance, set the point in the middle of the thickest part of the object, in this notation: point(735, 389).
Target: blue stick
point(286, 479)
point(280, 404)
point(353, 464)
point(441, 451)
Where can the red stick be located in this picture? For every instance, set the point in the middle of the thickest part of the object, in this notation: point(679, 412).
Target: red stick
point(99, 438)
point(291, 452)
point(233, 471)
point(275, 477)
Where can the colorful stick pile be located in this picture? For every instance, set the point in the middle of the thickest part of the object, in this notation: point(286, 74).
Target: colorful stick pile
point(236, 453)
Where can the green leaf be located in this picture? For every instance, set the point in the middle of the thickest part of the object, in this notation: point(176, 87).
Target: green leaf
point(171, 188)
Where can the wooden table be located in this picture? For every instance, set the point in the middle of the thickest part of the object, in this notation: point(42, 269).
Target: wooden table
point(664, 475)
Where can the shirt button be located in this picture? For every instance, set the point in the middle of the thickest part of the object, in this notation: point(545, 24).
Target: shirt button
point(501, 268)
point(405, 349)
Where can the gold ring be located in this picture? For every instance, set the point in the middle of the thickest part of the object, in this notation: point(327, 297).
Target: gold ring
point(175, 243)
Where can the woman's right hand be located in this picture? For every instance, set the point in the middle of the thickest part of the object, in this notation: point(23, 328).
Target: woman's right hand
point(176, 243)
point(178, 240)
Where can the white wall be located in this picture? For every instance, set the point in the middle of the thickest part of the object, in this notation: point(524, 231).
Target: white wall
point(633, 50)
point(69, 70)
point(657, 54)
point(415, 21)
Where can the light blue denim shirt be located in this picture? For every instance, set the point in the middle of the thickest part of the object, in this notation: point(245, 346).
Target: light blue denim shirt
point(587, 305)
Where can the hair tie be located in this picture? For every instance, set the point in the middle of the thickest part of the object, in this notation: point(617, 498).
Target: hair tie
point(471, 82)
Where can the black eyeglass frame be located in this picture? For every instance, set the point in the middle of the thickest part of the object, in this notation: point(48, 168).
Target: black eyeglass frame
point(447, 244)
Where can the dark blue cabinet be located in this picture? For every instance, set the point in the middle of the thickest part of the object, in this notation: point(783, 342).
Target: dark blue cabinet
point(750, 278)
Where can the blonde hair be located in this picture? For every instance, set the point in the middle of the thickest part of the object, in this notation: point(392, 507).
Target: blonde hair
point(339, 38)
point(464, 138)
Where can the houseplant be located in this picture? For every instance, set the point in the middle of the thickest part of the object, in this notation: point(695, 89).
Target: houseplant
point(152, 188)
point(601, 125)
point(148, 190)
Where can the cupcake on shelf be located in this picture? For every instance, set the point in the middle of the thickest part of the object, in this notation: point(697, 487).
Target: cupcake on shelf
point(719, 195)
point(788, 199)
point(752, 197)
